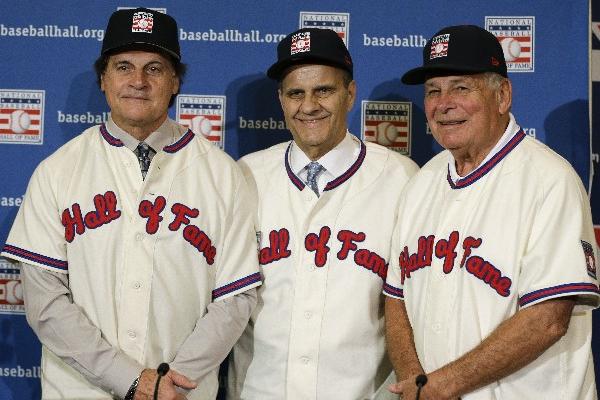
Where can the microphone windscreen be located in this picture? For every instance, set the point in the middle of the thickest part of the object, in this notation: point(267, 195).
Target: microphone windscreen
point(421, 380)
point(162, 369)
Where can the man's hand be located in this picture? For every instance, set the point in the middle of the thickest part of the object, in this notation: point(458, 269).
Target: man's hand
point(407, 389)
point(167, 389)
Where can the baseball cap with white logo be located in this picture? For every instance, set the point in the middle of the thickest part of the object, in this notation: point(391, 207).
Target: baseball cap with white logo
point(141, 28)
point(311, 46)
point(461, 49)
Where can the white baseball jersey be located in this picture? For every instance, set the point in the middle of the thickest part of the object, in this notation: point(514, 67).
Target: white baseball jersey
point(144, 258)
point(469, 253)
point(317, 332)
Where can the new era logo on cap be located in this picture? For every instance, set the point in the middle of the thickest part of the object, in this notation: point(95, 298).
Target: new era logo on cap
point(300, 43)
point(439, 46)
point(142, 22)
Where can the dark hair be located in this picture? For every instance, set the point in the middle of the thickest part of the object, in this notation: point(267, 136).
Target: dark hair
point(180, 68)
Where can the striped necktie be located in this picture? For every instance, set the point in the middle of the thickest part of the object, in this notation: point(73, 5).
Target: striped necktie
point(314, 169)
point(143, 152)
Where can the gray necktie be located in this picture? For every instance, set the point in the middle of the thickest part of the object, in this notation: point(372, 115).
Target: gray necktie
point(314, 169)
point(144, 153)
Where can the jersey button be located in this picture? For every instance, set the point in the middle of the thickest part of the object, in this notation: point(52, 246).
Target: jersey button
point(309, 197)
point(139, 237)
point(436, 327)
point(305, 360)
point(307, 315)
point(131, 334)
point(137, 285)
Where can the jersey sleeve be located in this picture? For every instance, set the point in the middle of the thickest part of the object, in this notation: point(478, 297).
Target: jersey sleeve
point(393, 286)
point(37, 234)
point(560, 254)
point(238, 266)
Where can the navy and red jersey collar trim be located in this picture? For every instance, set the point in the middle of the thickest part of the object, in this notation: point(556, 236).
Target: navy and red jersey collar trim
point(110, 139)
point(351, 171)
point(181, 143)
point(334, 183)
point(172, 148)
point(295, 180)
point(489, 165)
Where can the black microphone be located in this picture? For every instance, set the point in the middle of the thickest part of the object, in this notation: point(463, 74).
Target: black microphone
point(421, 380)
point(162, 370)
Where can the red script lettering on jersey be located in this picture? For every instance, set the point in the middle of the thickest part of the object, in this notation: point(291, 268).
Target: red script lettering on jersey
point(444, 249)
point(318, 244)
point(278, 247)
point(105, 212)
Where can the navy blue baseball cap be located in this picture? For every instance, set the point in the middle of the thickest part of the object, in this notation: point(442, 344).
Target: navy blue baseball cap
point(141, 28)
point(461, 49)
point(311, 46)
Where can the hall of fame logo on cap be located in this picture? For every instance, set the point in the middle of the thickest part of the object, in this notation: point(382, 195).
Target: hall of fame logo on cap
point(517, 38)
point(22, 116)
point(339, 22)
point(439, 46)
point(203, 115)
point(387, 123)
point(11, 291)
point(142, 22)
point(300, 43)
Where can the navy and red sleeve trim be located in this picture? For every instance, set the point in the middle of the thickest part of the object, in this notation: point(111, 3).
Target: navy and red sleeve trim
point(36, 258)
point(393, 291)
point(559, 291)
point(236, 285)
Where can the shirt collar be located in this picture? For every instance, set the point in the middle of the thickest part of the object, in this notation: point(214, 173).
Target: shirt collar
point(336, 161)
point(169, 132)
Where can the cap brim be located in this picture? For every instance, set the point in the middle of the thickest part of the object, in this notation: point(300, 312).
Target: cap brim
point(141, 46)
point(276, 70)
point(417, 76)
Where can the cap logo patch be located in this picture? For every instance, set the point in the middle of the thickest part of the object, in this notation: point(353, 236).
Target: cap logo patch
point(439, 46)
point(300, 43)
point(142, 22)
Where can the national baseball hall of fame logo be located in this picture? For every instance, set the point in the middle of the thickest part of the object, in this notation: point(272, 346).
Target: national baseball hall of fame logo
point(203, 115)
point(339, 22)
point(517, 37)
point(22, 116)
point(387, 123)
point(11, 291)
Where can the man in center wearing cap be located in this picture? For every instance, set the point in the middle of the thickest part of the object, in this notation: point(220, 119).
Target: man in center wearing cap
point(326, 203)
point(136, 237)
point(493, 278)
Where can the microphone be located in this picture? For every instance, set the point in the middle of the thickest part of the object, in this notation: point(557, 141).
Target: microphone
point(421, 380)
point(162, 370)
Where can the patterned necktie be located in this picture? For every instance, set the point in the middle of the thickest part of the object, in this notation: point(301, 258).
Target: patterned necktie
point(314, 169)
point(143, 154)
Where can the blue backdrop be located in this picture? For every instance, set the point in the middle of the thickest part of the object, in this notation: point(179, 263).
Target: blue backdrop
point(48, 92)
